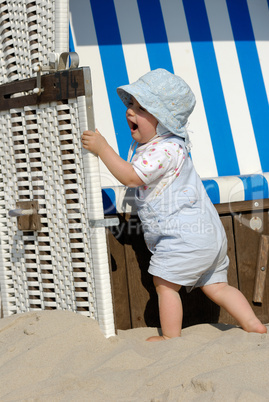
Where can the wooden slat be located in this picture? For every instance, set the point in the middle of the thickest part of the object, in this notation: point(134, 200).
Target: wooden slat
point(242, 206)
point(261, 269)
point(119, 276)
point(142, 293)
point(247, 246)
point(61, 85)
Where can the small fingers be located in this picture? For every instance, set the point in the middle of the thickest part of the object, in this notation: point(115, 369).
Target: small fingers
point(87, 134)
point(83, 140)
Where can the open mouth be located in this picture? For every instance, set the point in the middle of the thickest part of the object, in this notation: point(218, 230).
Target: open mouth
point(133, 127)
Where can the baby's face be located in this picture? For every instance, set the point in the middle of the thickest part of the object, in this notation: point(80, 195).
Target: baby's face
point(141, 122)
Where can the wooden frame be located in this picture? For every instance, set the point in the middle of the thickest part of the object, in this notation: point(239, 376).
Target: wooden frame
point(60, 85)
point(135, 299)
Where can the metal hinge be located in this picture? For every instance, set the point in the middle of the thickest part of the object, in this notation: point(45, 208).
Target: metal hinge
point(27, 215)
point(106, 222)
point(66, 61)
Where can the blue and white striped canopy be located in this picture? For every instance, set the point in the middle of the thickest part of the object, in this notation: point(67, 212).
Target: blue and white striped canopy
point(219, 47)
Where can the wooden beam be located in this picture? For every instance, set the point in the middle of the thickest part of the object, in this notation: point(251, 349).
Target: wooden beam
point(242, 206)
point(261, 268)
point(61, 85)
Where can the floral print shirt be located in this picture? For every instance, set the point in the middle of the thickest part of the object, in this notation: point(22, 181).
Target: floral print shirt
point(157, 163)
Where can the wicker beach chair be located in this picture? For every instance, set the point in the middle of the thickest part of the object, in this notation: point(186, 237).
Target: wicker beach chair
point(221, 49)
point(53, 250)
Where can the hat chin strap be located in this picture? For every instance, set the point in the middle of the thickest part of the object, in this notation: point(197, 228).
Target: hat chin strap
point(186, 137)
point(131, 150)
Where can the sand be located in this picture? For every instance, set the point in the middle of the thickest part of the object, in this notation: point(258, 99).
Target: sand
point(63, 356)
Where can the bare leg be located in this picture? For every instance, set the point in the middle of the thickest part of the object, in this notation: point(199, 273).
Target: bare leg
point(235, 304)
point(170, 309)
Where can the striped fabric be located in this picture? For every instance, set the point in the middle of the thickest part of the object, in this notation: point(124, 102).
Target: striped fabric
point(224, 189)
point(237, 188)
point(219, 47)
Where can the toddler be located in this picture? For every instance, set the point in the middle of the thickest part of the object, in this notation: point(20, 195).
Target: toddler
point(181, 226)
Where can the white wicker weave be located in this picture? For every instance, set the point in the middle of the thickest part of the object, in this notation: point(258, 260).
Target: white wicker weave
point(29, 31)
point(56, 268)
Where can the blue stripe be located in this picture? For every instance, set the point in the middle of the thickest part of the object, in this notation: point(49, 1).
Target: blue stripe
point(114, 68)
point(255, 186)
point(109, 201)
point(252, 76)
point(211, 88)
point(71, 42)
point(212, 189)
point(155, 34)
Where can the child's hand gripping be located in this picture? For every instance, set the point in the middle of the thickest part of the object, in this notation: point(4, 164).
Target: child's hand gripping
point(93, 141)
point(122, 170)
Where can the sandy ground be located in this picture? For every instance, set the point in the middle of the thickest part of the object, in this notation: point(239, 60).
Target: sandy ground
point(63, 356)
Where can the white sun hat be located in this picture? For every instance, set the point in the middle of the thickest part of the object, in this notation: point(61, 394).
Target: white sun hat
point(164, 95)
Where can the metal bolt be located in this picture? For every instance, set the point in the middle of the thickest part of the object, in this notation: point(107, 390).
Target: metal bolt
point(262, 268)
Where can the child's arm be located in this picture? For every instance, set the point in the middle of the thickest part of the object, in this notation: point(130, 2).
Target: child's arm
point(122, 170)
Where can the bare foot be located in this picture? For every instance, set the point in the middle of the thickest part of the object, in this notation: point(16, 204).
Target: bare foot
point(255, 326)
point(155, 339)
point(158, 338)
